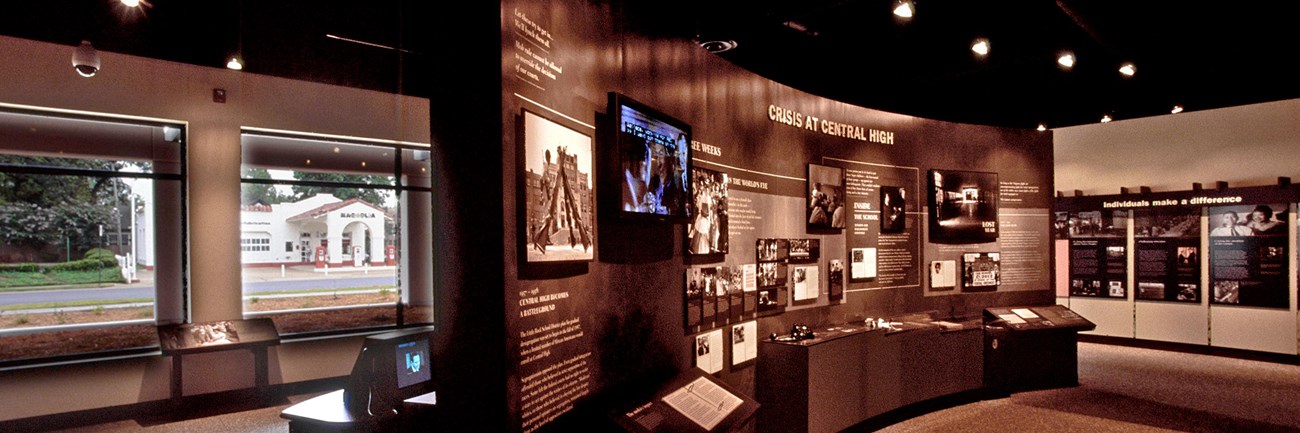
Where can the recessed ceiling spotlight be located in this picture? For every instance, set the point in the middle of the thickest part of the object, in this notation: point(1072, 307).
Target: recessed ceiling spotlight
point(1105, 118)
point(235, 64)
point(1066, 60)
point(1128, 69)
point(904, 8)
point(131, 3)
point(981, 47)
point(1177, 109)
point(1042, 127)
point(719, 46)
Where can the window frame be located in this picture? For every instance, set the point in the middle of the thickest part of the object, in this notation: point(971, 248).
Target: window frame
point(398, 188)
point(181, 176)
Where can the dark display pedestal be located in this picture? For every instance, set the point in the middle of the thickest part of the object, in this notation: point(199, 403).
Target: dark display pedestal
point(849, 374)
point(1038, 349)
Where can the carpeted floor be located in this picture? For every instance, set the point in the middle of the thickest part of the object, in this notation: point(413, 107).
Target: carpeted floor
point(1122, 389)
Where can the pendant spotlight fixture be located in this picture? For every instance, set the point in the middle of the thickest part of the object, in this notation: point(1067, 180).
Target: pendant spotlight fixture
point(1178, 108)
point(1105, 118)
point(904, 8)
point(85, 60)
point(1042, 127)
point(235, 64)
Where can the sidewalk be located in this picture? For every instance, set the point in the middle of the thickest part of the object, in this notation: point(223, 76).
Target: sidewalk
point(309, 271)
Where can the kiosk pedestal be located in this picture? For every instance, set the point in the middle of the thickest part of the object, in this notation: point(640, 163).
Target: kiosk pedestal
point(1028, 348)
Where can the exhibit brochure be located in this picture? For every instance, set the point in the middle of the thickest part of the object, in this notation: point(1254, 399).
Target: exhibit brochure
point(744, 342)
point(703, 402)
point(708, 351)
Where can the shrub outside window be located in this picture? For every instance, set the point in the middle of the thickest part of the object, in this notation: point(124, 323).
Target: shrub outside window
point(91, 233)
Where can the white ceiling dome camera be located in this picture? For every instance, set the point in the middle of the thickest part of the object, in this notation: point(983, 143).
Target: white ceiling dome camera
point(85, 59)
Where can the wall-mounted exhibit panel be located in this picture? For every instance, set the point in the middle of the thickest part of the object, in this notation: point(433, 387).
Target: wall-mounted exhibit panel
point(1212, 267)
point(798, 209)
point(1114, 317)
point(1253, 329)
point(1172, 322)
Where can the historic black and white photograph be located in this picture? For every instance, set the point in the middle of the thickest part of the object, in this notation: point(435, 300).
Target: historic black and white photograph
point(981, 272)
point(559, 223)
point(893, 209)
point(964, 206)
point(707, 231)
point(1258, 220)
point(772, 274)
point(1167, 223)
point(805, 250)
point(1097, 224)
point(772, 250)
point(835, 280)
point(825, 197)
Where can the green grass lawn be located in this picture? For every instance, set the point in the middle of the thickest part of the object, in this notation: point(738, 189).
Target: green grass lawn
point(16, 281)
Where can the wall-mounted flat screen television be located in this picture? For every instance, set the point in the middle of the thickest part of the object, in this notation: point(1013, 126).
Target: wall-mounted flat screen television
point(654, 153)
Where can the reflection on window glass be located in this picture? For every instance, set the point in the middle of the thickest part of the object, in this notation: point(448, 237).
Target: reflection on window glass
point(339, 210)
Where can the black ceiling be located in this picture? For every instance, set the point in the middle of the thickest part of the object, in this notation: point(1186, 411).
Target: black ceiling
point(1201, 55)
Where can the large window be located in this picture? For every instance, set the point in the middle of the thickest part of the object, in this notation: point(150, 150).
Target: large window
point(91, 233)
point(355, 218)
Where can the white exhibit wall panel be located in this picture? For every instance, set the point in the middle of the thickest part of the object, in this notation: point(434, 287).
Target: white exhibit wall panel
point(1114, 317)
point(1253, 329)
point(1176, 323)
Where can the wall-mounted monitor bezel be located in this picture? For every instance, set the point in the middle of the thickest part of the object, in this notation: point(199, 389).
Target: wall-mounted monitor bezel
point(674, 146)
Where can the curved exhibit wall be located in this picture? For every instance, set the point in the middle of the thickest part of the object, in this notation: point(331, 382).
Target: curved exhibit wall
point(38, 74)
point(614, 322)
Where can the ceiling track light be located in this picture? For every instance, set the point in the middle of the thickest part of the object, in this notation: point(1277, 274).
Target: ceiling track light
point(980, 47)
point(1128, 69)
point(1066, 60)
point(85, 60)
point(1105, 118)
point(904, 8)
point(1042, 127)
point(1178, 108)
point(235, 64)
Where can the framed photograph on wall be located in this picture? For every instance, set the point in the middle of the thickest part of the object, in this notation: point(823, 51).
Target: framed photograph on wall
point(893, 209)
point(559, 200)
point(825, 207)
point(707, 231)
point(963, 207)
point(981, 272)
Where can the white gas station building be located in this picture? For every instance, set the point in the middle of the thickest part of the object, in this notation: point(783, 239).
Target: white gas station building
point(320, 229)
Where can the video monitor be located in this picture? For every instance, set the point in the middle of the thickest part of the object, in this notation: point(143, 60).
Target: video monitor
point(392, 367)
point(412, 363)
point(654, 153)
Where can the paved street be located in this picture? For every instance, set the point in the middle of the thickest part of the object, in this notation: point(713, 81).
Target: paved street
point(257, 280)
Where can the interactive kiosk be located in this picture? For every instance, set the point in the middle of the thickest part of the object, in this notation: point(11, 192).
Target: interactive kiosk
point(1029, 348)
point(391, 386)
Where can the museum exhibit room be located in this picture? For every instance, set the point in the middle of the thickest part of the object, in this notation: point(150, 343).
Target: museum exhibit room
point(648, 216)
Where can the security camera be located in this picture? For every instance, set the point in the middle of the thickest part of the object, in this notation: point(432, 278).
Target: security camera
point(85, 59)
